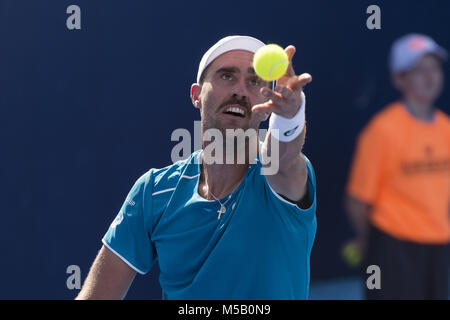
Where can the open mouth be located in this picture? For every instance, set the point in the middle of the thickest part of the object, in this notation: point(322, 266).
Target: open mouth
point(234, 110)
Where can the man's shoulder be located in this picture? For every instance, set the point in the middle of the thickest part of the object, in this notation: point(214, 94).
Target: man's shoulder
point(392, 111)
point(388, 119)
point(168, 176)
point(443, 118)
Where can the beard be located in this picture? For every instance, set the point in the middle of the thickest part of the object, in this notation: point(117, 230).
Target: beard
point(241, 140)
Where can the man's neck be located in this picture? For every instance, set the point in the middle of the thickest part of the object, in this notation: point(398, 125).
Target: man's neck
point(218, 180)
point(423, 111)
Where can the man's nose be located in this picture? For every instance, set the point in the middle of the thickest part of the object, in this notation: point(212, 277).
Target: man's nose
point(242, 100)
point(240, 90)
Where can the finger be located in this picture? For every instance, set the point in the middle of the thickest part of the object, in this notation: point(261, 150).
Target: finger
point(298, 82)
point(272, 95)
point(275, 103)
point(272, 105)
point(284, 91)
point(290, 51)
point(290, 72)
point(264, 107)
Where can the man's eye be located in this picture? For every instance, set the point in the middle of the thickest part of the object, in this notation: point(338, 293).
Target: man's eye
point(255, 82)
point(226, 76)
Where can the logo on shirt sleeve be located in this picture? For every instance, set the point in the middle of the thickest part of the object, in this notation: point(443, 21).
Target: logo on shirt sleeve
point(130, 202)
point(117, 220)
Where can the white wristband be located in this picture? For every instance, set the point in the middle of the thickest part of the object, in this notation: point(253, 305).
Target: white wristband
point(284, 129)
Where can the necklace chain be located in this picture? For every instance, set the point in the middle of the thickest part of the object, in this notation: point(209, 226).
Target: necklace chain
point(222, 209)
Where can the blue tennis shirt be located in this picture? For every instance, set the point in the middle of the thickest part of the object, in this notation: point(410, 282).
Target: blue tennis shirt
point(258, 249)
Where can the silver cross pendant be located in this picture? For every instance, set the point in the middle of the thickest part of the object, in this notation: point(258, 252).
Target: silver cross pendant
point(221, 210)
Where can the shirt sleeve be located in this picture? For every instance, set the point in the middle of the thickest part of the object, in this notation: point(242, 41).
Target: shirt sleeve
point(279, 201)
point(129, 234)
point(369, 164)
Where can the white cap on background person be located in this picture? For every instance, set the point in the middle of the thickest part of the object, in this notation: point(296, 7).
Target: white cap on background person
point(227, 44)
point(407, 51)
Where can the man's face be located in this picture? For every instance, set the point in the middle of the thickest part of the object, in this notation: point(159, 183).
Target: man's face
point(228, 92)
point(424, 81)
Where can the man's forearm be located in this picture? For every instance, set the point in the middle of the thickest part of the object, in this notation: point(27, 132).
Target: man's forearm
point(109, 278)
point(288, 152)
point(358, 213)
point(291, 178)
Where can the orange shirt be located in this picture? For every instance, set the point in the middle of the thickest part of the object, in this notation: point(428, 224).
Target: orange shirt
point(402, 167)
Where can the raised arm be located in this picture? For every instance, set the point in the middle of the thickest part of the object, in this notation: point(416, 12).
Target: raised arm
point(291, 179)
point(109, 278)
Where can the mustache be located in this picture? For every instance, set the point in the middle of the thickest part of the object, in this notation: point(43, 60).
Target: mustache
point(242, 103)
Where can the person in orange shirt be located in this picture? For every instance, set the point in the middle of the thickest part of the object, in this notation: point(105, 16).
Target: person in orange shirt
point(398, 192)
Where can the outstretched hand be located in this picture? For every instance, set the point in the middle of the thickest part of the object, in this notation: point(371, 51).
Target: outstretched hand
point(286, 99)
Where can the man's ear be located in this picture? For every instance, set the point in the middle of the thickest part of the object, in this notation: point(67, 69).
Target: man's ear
point(195, 94)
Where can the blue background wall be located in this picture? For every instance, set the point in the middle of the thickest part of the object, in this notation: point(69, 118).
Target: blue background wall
point(84, 113)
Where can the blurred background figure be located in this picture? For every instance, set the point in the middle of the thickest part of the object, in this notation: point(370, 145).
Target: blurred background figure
point(399, 184)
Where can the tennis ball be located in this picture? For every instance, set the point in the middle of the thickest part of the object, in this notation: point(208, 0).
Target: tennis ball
point(270, 62)
point(351, 255)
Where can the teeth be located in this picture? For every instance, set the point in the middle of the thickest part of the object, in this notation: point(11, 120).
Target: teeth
point(236, 110)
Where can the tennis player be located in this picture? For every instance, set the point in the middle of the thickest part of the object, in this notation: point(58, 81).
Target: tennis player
point(220, 230)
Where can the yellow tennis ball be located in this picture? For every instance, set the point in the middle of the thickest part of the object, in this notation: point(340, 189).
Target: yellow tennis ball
point(270, 62)
point(351, 255)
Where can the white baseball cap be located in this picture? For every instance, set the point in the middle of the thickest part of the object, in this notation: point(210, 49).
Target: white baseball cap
point(227, 44)
point(407, 51)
